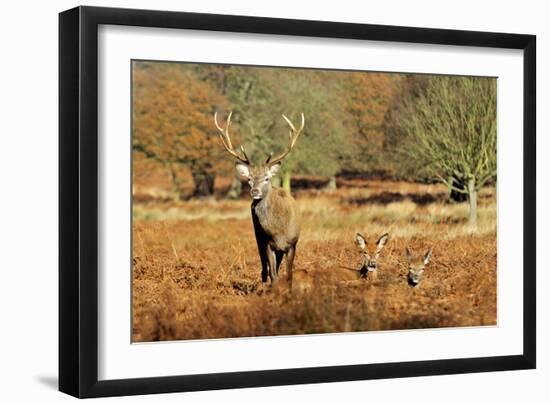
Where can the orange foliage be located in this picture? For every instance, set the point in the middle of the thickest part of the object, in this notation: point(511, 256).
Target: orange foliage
point(369, 100)
point(173, 116)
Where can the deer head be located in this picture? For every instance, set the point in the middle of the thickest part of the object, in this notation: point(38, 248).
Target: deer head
point(258, 176)
point(417, 265)
point(370, 260)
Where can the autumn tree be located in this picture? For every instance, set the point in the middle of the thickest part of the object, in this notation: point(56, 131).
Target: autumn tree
point(172, 122)
point(450, 133)
point(344, 114)
point(260, 95)
point(368, 98)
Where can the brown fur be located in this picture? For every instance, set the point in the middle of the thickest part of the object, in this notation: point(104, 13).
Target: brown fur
point(279, 217)
point(416, 266)
point(276, 220)
point(306, 279)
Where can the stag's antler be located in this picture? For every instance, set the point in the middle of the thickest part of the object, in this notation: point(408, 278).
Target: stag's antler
point(293, 134)
point(226, 140)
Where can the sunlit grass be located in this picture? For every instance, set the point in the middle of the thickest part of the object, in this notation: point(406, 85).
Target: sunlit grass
point(329, 216)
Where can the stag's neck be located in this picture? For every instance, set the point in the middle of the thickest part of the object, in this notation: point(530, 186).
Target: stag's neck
point(260, 207)
point(276, 202)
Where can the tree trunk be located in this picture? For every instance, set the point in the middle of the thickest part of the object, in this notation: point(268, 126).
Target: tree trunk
point(176, 185)
point(236, 189)
point(331, 184)
point(204, 183)
point(222, 79)
point(455, 195)
point(472, 196)
point(286, 181)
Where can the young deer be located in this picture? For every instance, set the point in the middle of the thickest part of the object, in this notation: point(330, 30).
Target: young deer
point(306, 279)
point(416, 266)
point(370, 262)
point(275, 213)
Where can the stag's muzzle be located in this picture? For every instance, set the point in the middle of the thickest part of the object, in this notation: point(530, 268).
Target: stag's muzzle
point(256, 193)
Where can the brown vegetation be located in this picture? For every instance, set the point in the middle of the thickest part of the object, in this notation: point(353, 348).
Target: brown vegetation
point(196, 271)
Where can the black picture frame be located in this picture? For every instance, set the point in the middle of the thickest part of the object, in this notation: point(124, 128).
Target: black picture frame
point(78, 201)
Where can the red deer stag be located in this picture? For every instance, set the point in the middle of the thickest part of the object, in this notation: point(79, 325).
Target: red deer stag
point(275, 214)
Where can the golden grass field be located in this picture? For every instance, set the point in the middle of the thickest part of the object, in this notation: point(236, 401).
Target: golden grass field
point(196, 270)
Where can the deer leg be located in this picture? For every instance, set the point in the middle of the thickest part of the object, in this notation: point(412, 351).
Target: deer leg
point(289, 264)
point(263, 259)
point(278, 260)
point(272, 265)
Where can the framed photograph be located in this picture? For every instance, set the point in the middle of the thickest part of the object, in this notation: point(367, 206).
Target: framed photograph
point(251, 202)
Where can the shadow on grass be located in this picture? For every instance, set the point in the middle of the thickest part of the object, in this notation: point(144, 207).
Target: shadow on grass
point(386, 198)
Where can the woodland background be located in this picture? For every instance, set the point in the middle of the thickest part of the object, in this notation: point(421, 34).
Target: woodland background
point(395, 126)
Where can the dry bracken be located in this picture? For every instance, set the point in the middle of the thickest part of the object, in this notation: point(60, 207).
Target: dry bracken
point(195, 277)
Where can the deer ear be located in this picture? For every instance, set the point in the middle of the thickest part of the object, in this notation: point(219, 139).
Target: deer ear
point(360, 240)
point(272, 170)
point(427, 256)
point(408, 253)
point(382, 242)
point(243, 170)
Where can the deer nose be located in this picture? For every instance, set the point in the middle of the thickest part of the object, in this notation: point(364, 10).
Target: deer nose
point(413, 281)
point(255, 192)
